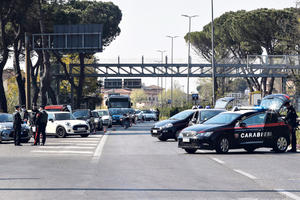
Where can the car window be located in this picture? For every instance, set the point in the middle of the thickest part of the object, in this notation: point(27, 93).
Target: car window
point(271, 118)
point(207, 114)
point(223, 118)
point(50, 116)
point(81, 113)
point(95, 114)
point(255, 119)
point(102, 113)
point(195, 116)
point(63, 116)
point(182, 115)
point(6, 118)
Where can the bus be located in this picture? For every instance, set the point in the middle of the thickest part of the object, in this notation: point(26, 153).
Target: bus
point(118, 101)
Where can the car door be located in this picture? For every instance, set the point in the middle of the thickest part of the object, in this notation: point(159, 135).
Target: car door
point(251, 130)
point(51, 127)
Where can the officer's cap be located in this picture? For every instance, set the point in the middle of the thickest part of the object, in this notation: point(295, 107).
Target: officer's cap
point(42, 106)
point(17, 106)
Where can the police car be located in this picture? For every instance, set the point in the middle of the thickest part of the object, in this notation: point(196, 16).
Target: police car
point(250, 129)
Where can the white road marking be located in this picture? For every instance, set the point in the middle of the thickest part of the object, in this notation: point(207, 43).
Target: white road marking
point(64, 147)
point(72, 142)
point(63, 143)
point(245, 174)
point(288, 194)
point(63, 152)
point(99, 149)
point(218, 161)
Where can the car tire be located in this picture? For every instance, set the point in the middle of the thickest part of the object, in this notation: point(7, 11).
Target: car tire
point(109, 126)
point(162, 138)
point(176, 135)
point(190, 151)
point(250, 149)
point(222, 145)
point(281, 144)
point(61, 132)
point(84, 135)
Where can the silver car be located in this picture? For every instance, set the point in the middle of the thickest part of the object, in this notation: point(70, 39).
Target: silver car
point(105, 117)
point(7, 130)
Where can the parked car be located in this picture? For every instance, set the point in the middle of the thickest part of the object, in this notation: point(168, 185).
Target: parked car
point(86, 114)
point(149, 115)
point(98, 121)
point(171, 127)
point(7, 131)
point(105, 117)
point(62, 124)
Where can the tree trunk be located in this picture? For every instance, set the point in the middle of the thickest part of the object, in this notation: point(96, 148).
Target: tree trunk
point(52, 95)
point(34, 73)
point(81, 80)
point(20, 80)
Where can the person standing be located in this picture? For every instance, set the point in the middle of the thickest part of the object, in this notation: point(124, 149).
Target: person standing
point(24, 114)
point(35, 123)
point(291, 118)
point(17, 125)
point(43, 123)
point(157, 114)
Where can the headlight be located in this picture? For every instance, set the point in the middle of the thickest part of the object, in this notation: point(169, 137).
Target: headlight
point(205, 134)
point(68, 124)
point(3, 127)
point(167, 126)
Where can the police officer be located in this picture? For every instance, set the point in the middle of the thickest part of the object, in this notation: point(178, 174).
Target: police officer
point(43, 123)
point(17, 125)
point(34, 123)
point(291, 118)
point(157, 114)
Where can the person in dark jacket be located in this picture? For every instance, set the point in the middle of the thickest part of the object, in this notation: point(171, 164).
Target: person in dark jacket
point(157, 114)
point(43, 124)
point(17, 125)
point(291, 118)
point(34, 122)
point(24, 114)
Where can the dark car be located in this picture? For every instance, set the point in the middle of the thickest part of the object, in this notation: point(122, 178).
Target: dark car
point(7, 131)
point(171, 127)
point(86, 114)
point(118, 115)
point(249, 129)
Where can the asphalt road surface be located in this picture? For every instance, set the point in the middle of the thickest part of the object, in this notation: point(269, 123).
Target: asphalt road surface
point(130, 164)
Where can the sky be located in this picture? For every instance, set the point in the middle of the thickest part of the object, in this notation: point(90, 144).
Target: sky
point(146, 23)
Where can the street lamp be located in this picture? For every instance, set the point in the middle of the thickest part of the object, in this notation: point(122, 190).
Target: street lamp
point(172, 38)
point(162, 60)
point(213, 53)
point(189, 57)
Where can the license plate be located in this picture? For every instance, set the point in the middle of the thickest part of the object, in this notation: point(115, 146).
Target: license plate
point(114, 120)
point(154, 131)
point(185, 139)
point(81, 129)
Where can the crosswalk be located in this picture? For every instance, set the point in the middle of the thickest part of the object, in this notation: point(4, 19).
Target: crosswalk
point(69, 146)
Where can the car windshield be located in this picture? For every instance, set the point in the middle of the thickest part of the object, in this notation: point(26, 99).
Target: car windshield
point(115, 111)
point(95, 114)
point(223, 118)
point(102, 113)
point(137, 111)
point(207, 114)
point(6, 118)
point(64, 116)
point(147, 111)
point(182, 115)
point(81, 113)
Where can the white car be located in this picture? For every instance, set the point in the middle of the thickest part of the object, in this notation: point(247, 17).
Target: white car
point(62, 124)
point(105, 117)
point(149, 115)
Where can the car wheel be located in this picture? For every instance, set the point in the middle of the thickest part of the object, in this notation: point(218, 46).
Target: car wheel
point(109, 126)
point(281, 144)
point(177, 135)
point(190, 151)
point(222, 145)
point(84, 135)
point(249, 149)
point(61, 132)
point(162, 138)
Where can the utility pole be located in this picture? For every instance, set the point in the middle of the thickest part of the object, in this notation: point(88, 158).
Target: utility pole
point(189, 56)
point(27, 71)
point(161, 61)
point(213, 54)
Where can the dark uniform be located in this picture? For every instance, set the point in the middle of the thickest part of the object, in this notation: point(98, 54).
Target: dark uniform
point(17, 125)
point(291, 119)
point(24, 114)
point(33, 122)
point(43, 124)
point(157, 114)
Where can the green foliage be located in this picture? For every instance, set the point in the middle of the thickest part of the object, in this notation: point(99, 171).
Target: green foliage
point(12, 94)
point(138, 96)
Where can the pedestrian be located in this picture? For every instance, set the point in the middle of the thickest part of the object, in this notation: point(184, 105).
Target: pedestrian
point(17, 125)
point(43, 123)
point(157, 114)
point(291, 118)
point(35, 120)
point(24, 114)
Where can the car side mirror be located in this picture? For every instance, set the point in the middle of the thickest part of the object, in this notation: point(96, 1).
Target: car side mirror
point(51, 120)
point(243, 124)
point(194, 120)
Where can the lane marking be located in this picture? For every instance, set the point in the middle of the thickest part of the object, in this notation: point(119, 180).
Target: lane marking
point(63, 152)
point(245, 174)
point(218, 161)
point(63, 143)
point(65, 147)
point(72, 142)
point(99, 150)
point(288, 194)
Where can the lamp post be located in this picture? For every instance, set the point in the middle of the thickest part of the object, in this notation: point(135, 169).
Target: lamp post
point(172, 38)
point(162, 60)
point(213, 53)
point(189, 56)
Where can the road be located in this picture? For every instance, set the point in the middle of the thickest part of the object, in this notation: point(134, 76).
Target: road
point(130, 164)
